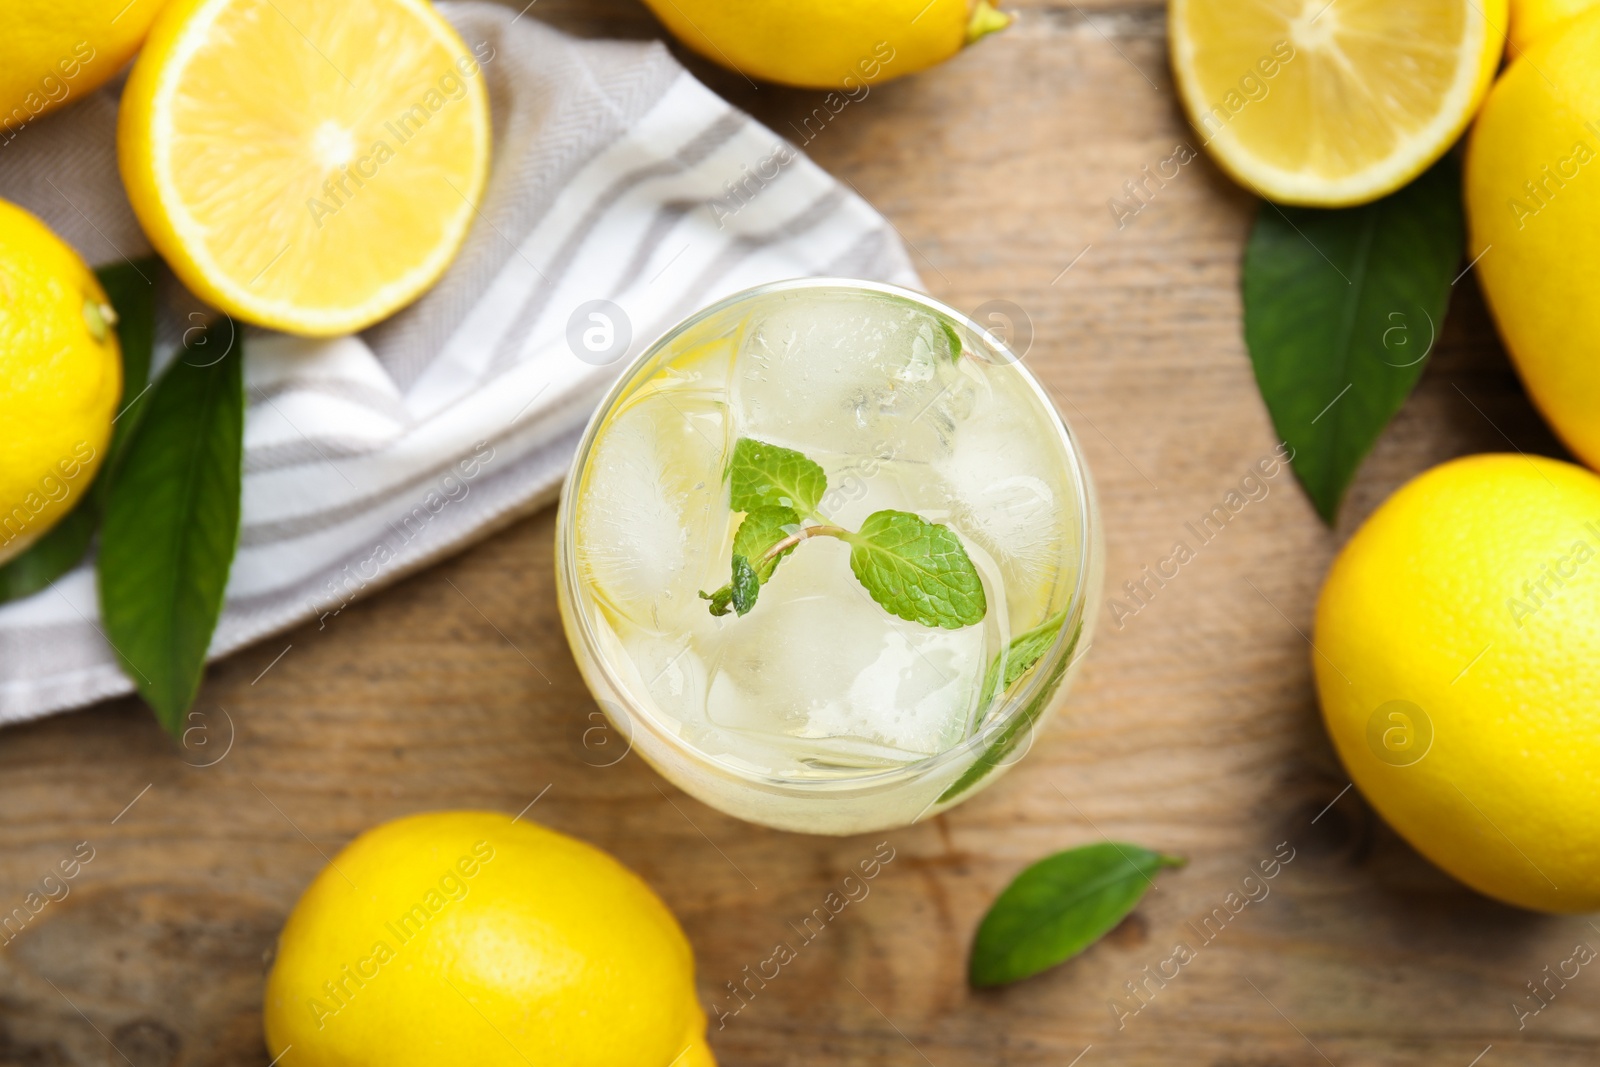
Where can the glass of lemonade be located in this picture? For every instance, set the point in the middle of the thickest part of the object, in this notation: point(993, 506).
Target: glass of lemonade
point(826, 556)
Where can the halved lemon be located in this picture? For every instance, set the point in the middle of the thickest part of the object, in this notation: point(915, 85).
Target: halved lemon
point(1332, 102)
point(306, 165)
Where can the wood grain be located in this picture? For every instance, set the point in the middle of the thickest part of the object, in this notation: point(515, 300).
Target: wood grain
point(1194, 729)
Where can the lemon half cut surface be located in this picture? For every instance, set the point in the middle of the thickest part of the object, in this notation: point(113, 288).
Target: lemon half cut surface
point(306, 166)
point(1331, 103)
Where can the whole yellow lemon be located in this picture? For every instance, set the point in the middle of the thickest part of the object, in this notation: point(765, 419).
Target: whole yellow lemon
point(1457, 655)
point(828, 44)
point(1533, 19)
point(1533, 204)
point(467, 937)
point(60, 379)
point(56, 51)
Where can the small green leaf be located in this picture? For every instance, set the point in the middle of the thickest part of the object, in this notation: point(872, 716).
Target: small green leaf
point(132, 296)
point(1340, 311)
point(917, 570)
point(953, 337)
point(1060, 906)
point(760, 530)
point(746, 586)
point(1016, 658)
point(763, 475)
point(719, 600)
point(53, 555)
point(1014, 731)
point(172, 526)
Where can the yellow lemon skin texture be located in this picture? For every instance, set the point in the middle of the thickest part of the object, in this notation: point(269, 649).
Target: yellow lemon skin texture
point(828, 44)
point(1532, 20)
point(53, 52)
point(60, 379)
point(1533, 208)
point(306, 166)
point(1457, 656)
point(465, 937)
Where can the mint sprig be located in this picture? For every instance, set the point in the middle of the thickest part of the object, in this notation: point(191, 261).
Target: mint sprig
point(914, 569)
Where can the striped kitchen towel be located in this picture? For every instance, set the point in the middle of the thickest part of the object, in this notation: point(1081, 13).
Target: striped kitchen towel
point(624, 196)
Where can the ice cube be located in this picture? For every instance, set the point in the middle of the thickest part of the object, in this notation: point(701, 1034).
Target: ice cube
point(671, 671)
point(1006, 489)
point(653, 511)
point(818, 660)
point(852, 374)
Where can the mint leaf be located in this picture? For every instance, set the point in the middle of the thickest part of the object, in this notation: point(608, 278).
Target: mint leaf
point(172, 525)
point(763, 475)
point(760, 530)
point(1340, 309)
point(953, 337)
point(719, 600)
point(1018, 657)
point(1015, 730)
point(917, 570)
point(132, 296)
point(746, 586)
point(1060, 906)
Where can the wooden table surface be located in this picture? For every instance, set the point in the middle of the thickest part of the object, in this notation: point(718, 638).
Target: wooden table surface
point(1194, 728)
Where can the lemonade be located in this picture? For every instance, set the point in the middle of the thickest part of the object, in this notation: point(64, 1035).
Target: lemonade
point(825, 556)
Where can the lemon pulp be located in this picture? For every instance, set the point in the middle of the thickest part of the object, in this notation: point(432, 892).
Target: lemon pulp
point(306, 166)
point(1332, 102)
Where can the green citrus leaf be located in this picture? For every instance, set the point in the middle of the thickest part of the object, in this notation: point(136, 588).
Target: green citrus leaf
point(131, 287)
point(172, 524)
point(132, 296)
point(763, 475)
point(1014, 731)
point(1340, 311)
point(1058, 907)
point(917, 570)
point(53, 555)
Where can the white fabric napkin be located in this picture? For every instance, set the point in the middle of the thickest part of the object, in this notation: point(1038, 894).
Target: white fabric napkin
point(616, 176)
